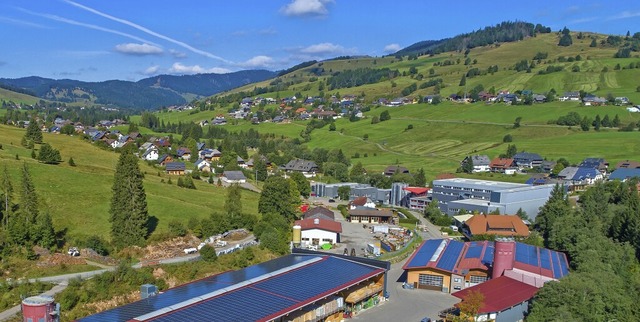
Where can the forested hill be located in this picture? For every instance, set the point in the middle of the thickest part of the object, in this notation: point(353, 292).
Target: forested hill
point(503, 32)
point(149, 93)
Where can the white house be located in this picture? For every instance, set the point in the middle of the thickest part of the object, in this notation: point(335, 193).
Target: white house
point(316, 231)
point(151, 154)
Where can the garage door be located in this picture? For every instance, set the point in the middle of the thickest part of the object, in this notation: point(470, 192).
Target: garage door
point(430, 282)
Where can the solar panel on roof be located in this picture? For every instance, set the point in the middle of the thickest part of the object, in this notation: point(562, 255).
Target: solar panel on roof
point(526, 254)
point(557, 271)
point(545, 258)
point(424, 253)
point(450, 255)
point(278, 295)
point(193, 290)
point(474, 252)
point(563, 265)
point(487, 259)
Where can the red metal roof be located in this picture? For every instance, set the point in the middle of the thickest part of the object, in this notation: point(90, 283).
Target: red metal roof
point(416, 190)
point(500, 293)
point(328, 225)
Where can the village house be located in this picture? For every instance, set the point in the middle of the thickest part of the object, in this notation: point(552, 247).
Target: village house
point(497, 225)
point(308, 168)
point(361, 202)
point(502, 165)
point(371, 216)
point(175, 168)
point(480, 163)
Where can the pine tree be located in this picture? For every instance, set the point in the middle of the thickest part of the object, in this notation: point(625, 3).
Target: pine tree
point(33, 132)
point(71, 162)
point(49, 155)
point(616, 121)
point(7, 193)
point(28, 197)
point(261, 168)
point(420, 178)
point(556, 207)
point(129, 215)
point(43, 233)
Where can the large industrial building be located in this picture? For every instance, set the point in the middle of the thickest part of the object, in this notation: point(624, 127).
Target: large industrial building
point(302, 286)
point(379, 196)
point(484, 196)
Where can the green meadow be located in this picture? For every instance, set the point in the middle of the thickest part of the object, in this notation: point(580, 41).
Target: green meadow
point(78, 197)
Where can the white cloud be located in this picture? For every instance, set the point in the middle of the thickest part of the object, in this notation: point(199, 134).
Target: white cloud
point(391, 48)
point(306, 8)
point(181, 69)
point(177, 54)
point(151, 70)
point(625, 15)
point(323, 49)
point(258, 61)
point(22, 23)
point(138, 49)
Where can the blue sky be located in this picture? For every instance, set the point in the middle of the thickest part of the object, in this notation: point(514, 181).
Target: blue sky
point(96, 40)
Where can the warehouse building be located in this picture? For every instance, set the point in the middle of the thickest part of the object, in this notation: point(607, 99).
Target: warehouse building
point(302, 286)
point(484, 196)
point(450, 265)
point(379, 196)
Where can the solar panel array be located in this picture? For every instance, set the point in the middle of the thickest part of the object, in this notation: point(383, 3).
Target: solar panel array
point(563, 264)
point(450, 256)
point(424, 253)
point(193, 290)
point(488, 254)
point(275, 296)
point(474, 251)
point(545, 258)
point(557, 272)
point(527, 254)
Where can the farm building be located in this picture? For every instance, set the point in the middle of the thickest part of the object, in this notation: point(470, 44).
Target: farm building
point(301, 286)
point(450, 265)
point(371, 216)
point(319, 212)
point(316, 231)
point(498, 225)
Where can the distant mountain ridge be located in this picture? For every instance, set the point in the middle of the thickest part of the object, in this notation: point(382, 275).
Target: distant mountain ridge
point(148, 93)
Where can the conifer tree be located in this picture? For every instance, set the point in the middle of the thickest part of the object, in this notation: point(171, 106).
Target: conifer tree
point(33, 132)
point(6, 192)
point(129, 215)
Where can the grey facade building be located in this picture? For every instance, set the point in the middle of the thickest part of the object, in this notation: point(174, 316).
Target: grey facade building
point(488, 196)
point(380, 196)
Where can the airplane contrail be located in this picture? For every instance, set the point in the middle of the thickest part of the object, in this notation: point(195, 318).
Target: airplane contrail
point(86, 25)
point(148, 31)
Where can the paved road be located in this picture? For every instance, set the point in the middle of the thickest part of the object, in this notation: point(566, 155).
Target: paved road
point(406, 305)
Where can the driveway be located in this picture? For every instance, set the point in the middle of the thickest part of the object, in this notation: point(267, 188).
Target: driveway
point(406, 305)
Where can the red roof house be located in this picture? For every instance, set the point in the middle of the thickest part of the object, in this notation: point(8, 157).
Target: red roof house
point(501, 295)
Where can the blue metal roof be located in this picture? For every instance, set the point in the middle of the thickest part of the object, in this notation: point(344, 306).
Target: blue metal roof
point(297, 280)
point(624, 174)
point(585, 173)
point(278, 295)
point(450, 256)
point(557, 272)
point(423, 254)
point(563, 265)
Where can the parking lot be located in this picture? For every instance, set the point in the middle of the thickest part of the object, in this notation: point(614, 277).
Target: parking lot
point(403, 304)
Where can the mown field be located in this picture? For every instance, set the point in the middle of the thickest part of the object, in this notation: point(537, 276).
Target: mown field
point(78, 197)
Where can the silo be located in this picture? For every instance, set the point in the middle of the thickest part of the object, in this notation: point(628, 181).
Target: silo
point(503, 256)
point(40, 308)
point(297, 235)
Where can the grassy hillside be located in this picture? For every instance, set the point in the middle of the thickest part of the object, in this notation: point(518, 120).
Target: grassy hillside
point(78, 197)
point(15, 97)
point(442, 135)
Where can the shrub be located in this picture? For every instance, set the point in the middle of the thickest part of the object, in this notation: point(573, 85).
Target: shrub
point(208, 254)
point(176, 228)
